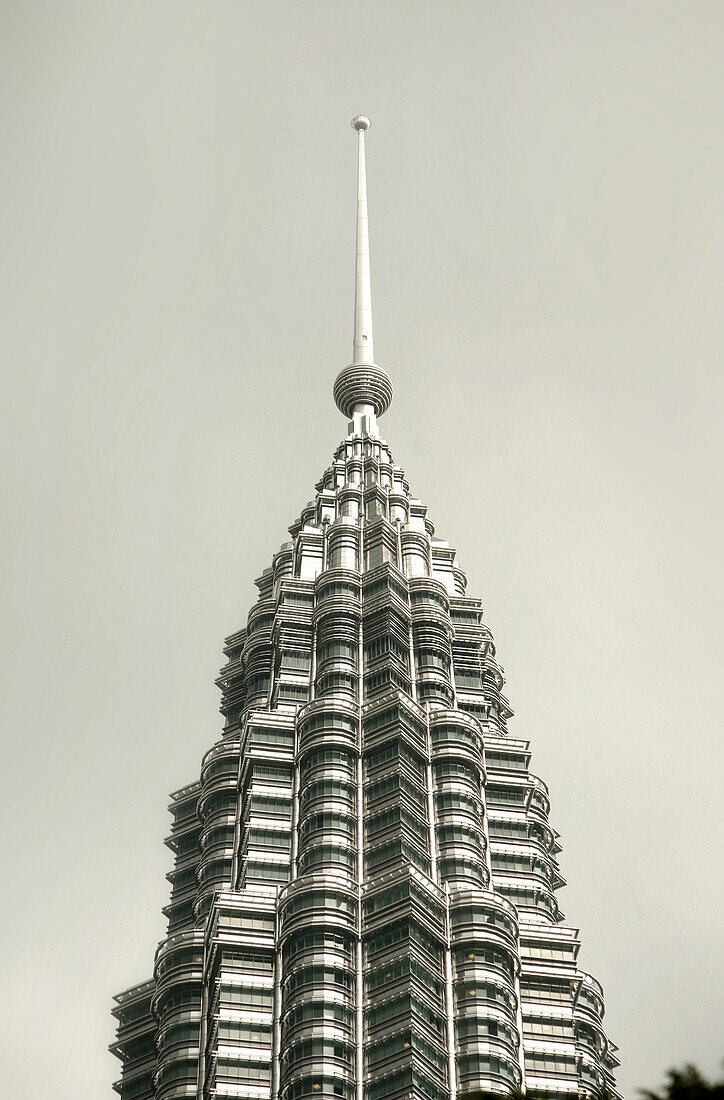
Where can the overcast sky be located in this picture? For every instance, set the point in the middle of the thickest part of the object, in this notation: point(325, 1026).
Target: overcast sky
point(545, 183)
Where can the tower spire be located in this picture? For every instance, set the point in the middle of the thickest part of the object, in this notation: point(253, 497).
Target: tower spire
point(363, 344)
point(362, 391)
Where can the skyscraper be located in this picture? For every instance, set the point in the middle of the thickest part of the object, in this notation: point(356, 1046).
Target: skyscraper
point(363, 899)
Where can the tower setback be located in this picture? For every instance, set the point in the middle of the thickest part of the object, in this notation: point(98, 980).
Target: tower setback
point(363, 901)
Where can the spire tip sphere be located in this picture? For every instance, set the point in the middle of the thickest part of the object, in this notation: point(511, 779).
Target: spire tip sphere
point(360, 122)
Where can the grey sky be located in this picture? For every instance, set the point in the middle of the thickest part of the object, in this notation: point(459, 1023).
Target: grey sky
point(545, 186)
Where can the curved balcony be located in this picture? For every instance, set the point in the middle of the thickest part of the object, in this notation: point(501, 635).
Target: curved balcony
point(177, 1077)
point(178, 993)
point(464, 861)
point(260, 616)
point(432, 670)
point(590, 1004)
point(430, 635)
point(430, 618)
point(454, 727)
point(482, 1000)
point(460, 719)
point(329, 824)
point(491, 992)
point(313, 956)
point(459, 869)
point(318, 1051)
point(460, 829)
point(257, 690)
point(336, 670)
point(325, 1083)
point(529, 896)
point(338, 593)
point(186, 855)
point(221, 775)
point(432, 587)
point(328, 857)
point(484, 1032)
point(590, 1038)
point(316, 1016)
point(333, 601)
point(327, 722)
point(493, 671)
point(527, 858)
point(320, 763)
point(462, 825)
point(337, 618)
point(457, 775)
point(256, 656)
point(481, 957)
point(337, 681)
point(353, 469)
point(399, 508)
point(327, 829)
point(349, 499)
point(543, 836)
point(536, 786)
point(415, 553)
point(386, 467)
point(181, 953)
point(214, 877)
point(312, 945)
point(167, 949)
point(474, 913)
point(435, 688)
point(318, 900)
point(337, 654)
point(218, 802)
point(343, 544)
point(214, 870)
point(461, 581)
point(489, 1069)
point(329, 790)
point(182, 1031)
point(222, 785)
point(318, 981)
point(591, 1074)
point(212, 761)
point(283, 562)
point(219, 838)
point(446, 746)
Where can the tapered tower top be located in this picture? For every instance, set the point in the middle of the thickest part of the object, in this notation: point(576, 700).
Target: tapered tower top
point(362, 391)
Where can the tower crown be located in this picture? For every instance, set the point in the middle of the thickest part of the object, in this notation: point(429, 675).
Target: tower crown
point(387, 836)
point(363, 390)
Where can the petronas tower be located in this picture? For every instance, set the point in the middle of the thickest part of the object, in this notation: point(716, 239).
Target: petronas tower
point(363, 901)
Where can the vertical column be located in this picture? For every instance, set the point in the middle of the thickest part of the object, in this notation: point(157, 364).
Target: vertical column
point(360, 807)
point(449, 1002)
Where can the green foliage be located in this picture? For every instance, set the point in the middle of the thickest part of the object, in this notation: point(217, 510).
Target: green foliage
point(531, 1094)
point(686, 1084)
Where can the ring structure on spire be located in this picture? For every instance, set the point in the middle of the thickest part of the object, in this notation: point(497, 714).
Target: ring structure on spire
point(363, 384)
point(362, 391)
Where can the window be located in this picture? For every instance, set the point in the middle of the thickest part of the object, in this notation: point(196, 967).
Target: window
point(485, 1065)
point(243, 1070)
point(485, 955)
point(557, 990)
point(505, 761)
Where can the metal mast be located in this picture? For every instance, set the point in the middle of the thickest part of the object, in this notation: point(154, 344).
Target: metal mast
point(363, 390)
